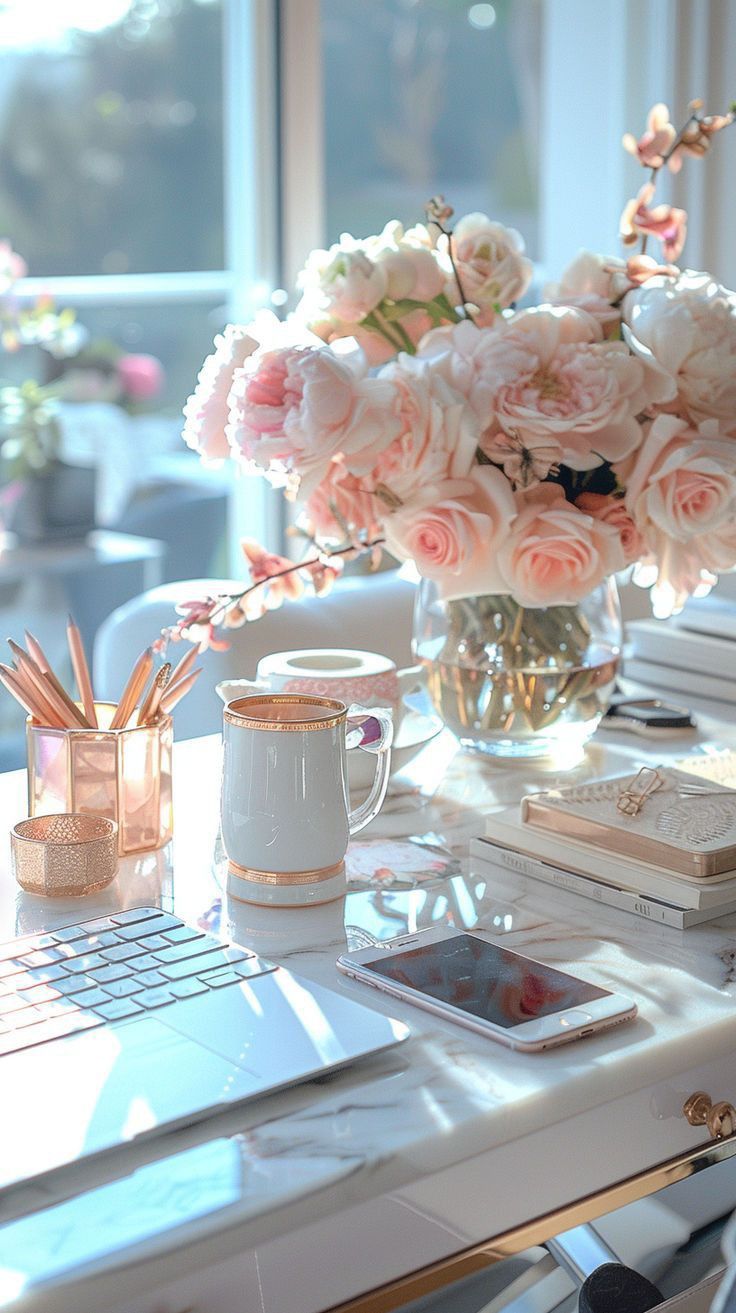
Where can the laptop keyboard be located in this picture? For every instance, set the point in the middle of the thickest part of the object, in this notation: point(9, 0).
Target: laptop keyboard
point(109, 969)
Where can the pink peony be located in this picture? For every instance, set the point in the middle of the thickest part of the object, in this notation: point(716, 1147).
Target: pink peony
point(294, 409)
point(410, 261)
point(206, 411)
point(342, 505)
point(555, 554)
point(612, 510)
point(141, 376)
point(494, 272)
point(452, 531)
point(686, 326)
point(547, 377)
point(343, 283)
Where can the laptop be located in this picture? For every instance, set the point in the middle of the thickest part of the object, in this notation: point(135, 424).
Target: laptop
point(119, 1027)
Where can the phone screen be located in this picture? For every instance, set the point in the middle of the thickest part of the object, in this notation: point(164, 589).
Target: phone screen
point(485, 980)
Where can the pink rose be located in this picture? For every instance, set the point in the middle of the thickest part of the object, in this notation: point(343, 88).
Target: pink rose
point(410, 261)
point(687, 327)
point(437, 438)
point(554, 554)
point(206, 411)
point(490, 260)
point(343, 283)
point(612, 510)
point(591, 282)
point(293, 410)
point(341, 504)
point(452, 531)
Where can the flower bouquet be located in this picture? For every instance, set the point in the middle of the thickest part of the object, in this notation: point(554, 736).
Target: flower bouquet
point(521, 458)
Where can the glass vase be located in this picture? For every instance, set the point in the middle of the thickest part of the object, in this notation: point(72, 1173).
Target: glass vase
point(514, 681)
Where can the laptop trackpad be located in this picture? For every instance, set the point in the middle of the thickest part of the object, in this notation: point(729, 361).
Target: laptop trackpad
point(95, 1090)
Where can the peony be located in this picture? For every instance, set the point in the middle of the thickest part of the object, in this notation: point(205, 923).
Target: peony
point(554, 554)
point(342, 505)
point(613, 511)
point(591, 283)
point(294, 409)
point(687, 327)
point(343, 283)
point(452, 531)
point(411, 263)
point(490, 260)
point(547, 377)
point(206, 411)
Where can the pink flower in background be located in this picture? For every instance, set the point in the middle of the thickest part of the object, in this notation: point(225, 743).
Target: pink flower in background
point(613, 511)
point(452, 530)
point(655, 143)
point(12, 266)
point(686, 326)
point(555, 554)
point(665, 222)
point(206, 411)
point(281, 581)
point(141, 376)
point(295, 409)
point(490, 260)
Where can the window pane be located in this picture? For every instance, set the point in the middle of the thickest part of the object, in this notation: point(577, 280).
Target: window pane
point(111, 134)
point(427, 96)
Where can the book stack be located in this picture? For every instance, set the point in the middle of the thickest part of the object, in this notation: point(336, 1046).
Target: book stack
point(674, 862)
point(692, 655)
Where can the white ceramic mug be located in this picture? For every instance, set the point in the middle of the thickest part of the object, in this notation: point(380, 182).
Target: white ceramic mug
point(348, 674)
point(286, 819)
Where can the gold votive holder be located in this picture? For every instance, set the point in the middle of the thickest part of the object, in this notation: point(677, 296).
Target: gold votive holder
point(121, 774)
point(64, 856)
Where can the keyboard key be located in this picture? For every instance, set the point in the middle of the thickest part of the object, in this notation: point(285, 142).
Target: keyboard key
point(28, 944)
point(93, 943)
point(121, 953)
point(153, 926)
point(135, 914)
point(121, 988)
point(192, 966)
point(154, 998)
point(12, 1003)
point(114, 971)
point(181, 933)
point(69, 933)
point(60, 1007)
point(43, 957)
point(87, 962)
point(75, 984)
point(188, 988)
point(149, 962)
point(178, 952)
point(11, 967)
point(151, 978)
point(216, 979)
point(94, 927)
point(152, 942)
point(46, 975)
point(117, 1008)
point(38, 994)
point(90, 998)
point(28, 1017)
point(52, 1029)
point(255, 966)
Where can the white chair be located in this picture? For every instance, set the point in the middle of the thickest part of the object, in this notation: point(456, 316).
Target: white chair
point(372, 612)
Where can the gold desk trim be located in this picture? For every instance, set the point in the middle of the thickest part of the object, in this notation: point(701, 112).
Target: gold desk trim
point(428, 1280)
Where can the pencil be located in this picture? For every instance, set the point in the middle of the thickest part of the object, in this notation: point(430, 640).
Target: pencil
point(81, 671)
point(133, 689)
point(175, 692)
point(69, 716)
point(184, 667)
point(150, 706)
point(21, 694)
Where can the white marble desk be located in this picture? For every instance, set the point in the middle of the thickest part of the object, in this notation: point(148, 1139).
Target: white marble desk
point(449, 1146)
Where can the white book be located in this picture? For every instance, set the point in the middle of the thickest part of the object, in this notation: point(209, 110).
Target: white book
point(688, 683)
point(652, 909)
point(669, 643)
point(505, 828)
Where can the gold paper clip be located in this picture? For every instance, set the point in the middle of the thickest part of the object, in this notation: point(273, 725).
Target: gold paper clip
point(631, 800)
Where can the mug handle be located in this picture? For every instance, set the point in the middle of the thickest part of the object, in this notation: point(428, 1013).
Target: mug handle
point(372, 730)
point(411, 680)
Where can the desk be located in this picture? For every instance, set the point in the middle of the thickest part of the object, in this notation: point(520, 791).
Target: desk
point(414, 1168)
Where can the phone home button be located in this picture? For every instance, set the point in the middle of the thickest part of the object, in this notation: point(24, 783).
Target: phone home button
point(575, 1018)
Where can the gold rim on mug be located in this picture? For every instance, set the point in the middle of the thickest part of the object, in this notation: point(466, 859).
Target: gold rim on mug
point(237, 713)
point(285, 878)
point(45, 849)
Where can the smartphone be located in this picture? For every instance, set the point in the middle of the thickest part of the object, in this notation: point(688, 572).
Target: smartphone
point(522, 1003)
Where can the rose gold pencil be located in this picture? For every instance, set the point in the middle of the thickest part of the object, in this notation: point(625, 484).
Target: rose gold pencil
point(133, 689)
point(184, 667)
point(38, 655)
point(70, 717)
point(175, 692)
point(151, 703)
point(81, 671)
point(21, 693)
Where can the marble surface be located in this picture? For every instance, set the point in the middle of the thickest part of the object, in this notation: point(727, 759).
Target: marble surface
point(297, 1161)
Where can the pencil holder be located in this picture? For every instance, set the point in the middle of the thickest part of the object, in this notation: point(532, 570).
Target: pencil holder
point(123, 774)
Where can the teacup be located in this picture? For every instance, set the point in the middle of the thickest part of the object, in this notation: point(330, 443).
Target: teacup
point(343, 673)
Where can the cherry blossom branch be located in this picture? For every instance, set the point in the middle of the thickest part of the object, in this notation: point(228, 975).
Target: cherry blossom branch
point(695, 118)
point(437, 212)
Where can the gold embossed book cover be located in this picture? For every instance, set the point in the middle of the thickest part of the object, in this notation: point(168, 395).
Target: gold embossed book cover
point(679, 822)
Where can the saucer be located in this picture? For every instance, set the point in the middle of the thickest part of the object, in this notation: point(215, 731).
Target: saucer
point(416, 730)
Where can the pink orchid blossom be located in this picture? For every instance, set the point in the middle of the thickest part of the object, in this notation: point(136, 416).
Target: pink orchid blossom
point(654, 144)
point(664, 222)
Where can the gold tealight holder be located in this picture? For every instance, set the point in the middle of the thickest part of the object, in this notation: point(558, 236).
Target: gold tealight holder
point(121, 774)
point(64, 856)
